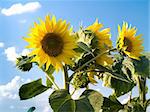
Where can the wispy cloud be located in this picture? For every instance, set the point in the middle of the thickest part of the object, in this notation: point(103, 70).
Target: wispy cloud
point(21, 8)
point(11, 53)
point(1, 44)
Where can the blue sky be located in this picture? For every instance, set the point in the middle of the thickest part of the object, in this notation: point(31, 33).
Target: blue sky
point(13, 26)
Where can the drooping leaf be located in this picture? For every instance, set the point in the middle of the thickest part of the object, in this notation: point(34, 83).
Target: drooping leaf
point(120, 87)
point(110, 105)
point(119, 78)
point(31, 89)
point(31, 109)
point(142, 66)
point(89, 101)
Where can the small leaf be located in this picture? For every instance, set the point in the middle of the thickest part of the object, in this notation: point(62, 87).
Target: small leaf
point(31, 89)
point(31, 109)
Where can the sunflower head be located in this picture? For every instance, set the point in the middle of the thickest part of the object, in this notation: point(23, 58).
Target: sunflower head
point(128, 43)
point(104, 42)
point(52, 43)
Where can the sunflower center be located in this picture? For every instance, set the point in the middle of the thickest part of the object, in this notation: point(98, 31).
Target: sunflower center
point(52, 44)
point(128, 43)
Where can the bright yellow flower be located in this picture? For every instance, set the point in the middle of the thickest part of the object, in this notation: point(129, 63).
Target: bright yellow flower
point(104, 42)
point(51, 42)
point(128, 43)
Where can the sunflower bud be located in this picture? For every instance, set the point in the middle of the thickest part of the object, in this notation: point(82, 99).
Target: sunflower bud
point(80, 80)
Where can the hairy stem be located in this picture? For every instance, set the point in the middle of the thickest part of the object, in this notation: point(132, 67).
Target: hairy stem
point(73, 92)
point(53, 82)
point(142, 89)
point(66, 77)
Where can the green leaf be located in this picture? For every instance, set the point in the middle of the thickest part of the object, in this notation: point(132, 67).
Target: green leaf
point(142, 66)
point(111, 105)
point(93, 98)
point(119, 77)
point(31, 109)
point(120, 87)
point(89, 101)
point(31, 89)
point(60, 100)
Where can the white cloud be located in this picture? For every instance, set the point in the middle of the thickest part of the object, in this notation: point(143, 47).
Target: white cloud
point(1, 44)
point(9, 98)
point(25, 52)
point(77, 93)
point(124, 99)
point(46, 109)
point(21, 8)
point(11, 53)
point(9, 90)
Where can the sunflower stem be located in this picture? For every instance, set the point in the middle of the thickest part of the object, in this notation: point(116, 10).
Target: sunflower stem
point(73, 92)
point(66, 77)
point(53, 82)
point(141, 82)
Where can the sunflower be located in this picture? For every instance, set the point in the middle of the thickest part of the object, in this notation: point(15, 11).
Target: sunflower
point(104, 42)
point(128, 43)
point(51, 42)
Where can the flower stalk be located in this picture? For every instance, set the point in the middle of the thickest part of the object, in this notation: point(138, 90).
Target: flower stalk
point(53, 82)
point(142, 89)
point(66, 77)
